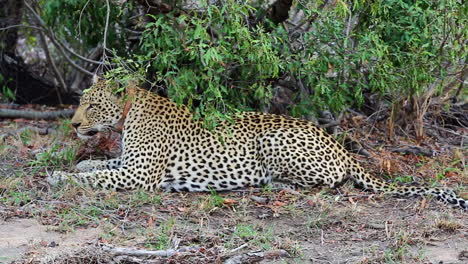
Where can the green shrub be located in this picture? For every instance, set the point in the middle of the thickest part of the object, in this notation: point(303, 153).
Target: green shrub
point(224, 57)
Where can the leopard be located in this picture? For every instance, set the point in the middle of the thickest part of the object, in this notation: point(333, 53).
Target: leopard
point(165, 148)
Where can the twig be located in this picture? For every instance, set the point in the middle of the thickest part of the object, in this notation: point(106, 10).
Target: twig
point(79, 18)
point(104, 47)
point(239, 248)
point(80, 56)
point(260, 200)
point(322, 240)
point(28, 114)
point(449, 131)
point(354, 112)
point(331, 124)
point(358, 195)
point(463, 76)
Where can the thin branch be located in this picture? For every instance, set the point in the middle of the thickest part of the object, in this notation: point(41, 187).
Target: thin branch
point(79, 19)
point(25, 26)
point(63, 45)
point(449, 131)
point(104, 44)
point(80, 56)
point(57, 73)
point(51, 35)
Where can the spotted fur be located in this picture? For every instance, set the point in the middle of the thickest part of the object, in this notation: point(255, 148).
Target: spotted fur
point(165, 148)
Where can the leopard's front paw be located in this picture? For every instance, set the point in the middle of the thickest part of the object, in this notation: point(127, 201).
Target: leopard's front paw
point(57, 177)
point(91, 165)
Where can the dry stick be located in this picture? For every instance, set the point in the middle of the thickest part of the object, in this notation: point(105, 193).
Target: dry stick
point(260, 200)
point(104, 44)
point(79, 19)
point(28, 114)
point(449, 131)
point(239, 248)
point(462, 83)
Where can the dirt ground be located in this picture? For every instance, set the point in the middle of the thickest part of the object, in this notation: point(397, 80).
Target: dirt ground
point(40, 223)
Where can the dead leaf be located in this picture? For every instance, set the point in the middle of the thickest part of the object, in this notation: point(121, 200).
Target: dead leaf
point(451, 174)
point(331, 71)
point(423, 204)
point(464, 195)
point(357, 120)
point(279, 204)
point(181, 209)
point(150, 222)
point(229, 201)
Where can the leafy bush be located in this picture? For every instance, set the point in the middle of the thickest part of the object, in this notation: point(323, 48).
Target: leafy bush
point(226, 56)
point(81, 23)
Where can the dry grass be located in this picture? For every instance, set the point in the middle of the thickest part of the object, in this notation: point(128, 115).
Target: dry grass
point(312, 225)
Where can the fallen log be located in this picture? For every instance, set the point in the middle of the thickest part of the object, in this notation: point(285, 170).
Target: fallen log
point(29, 114)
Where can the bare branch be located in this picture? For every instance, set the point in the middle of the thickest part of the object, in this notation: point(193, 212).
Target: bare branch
point(25, 26)
point(57, 73)
point(80, 56)
point(51, 35)
point(79, 19)
point(104, 43)
point(58, 41)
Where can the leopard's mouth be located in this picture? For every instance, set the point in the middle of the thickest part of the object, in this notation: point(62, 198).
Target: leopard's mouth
point(91, 133)
point(86, 134)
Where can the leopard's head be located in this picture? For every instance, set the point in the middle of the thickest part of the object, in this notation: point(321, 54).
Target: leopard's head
point(100, 110)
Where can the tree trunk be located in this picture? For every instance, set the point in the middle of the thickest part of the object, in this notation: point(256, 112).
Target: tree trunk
point(28, 85)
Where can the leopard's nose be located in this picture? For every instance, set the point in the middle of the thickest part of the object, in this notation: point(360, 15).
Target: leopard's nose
point(75, 125)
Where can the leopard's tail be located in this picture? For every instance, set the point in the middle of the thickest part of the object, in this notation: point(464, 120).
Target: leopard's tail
point(372, 183)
